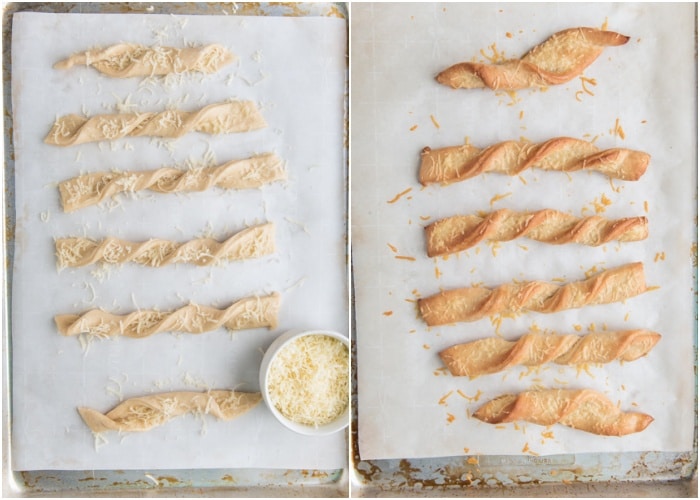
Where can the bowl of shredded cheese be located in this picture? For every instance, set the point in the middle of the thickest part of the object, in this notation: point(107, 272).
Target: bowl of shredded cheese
point(305, 381)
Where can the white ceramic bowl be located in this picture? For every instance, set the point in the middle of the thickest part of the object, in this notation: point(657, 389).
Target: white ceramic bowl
point(280, 343)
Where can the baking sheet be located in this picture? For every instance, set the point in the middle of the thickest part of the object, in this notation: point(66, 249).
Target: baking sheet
point(295, 70)
point(398, 109)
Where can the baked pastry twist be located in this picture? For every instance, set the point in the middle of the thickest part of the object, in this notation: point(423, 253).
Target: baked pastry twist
point(461, 232)
point(581, 409)
point(250, 243)
point(219, 118)
point(557, 60)
point(565, 154)
point(493, 355)
point(125, 60)
point(247, 313)
point(145, 413)
point(471, 304)
point(90, 189)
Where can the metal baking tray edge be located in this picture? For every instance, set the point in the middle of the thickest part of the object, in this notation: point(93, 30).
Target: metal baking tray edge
point(624, 475)
point(631, 474)
point(270, 483)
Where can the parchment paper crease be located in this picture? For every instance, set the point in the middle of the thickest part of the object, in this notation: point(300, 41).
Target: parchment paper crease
point(295, 69)
point(647, 88)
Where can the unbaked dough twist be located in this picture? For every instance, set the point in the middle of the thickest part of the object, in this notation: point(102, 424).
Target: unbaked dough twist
point(219, 118)
point(247, 313)
point(249, 173)
point(474, 303)
point(557, 60)
point(582, 409)
point(565, 154)
point(125, 60)
point(147, 412)
point(250, 243)
point(493, 355)
point(461, 232)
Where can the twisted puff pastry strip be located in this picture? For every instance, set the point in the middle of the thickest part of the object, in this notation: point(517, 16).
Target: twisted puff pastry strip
point(493, 355)
point(90, 189)
point(250, 243)
point(581, 409)
point(557, 60)
point(454, 234)
point(145, 413)
point(471, 304)
point(250, 312)
point(458, 163)
point(219, 118)
point(125, 60)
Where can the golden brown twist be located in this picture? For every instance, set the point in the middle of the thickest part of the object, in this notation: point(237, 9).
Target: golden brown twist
point(250, 243)
point(219, 118)
point(461, 232)
point(125, 60)
point(493, 355)
point(565, 154)
point(90, 189)
point(581, 409)
point(247, 313)
point(145, 413)
point(557, 60)
point(474, 303)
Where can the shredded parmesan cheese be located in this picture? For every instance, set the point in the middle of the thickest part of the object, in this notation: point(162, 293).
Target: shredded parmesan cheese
point(308, 380)
point(396, 198)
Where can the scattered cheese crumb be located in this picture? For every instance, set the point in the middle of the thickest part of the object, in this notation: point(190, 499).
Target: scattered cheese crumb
point(404, 257)
point(443, 400)
point(499, 197)
point(396, 198)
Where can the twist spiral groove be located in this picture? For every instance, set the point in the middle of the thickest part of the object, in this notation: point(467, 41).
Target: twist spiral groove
point(125, 60)
point(565, 154)
point(458, 233)
point(583, 409)
point(248, 173)
point(247, 313)
point(250, 243)
point(557, 60)
point(494, 355)
point(474, 303)
point(145, 413)
point(219, 118)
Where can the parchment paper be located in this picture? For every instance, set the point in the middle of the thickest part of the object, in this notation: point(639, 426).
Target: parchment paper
point(647, 86)
point(295, 69)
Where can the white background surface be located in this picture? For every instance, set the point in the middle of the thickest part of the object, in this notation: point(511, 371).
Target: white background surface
point(295, 69)
point(649, 84)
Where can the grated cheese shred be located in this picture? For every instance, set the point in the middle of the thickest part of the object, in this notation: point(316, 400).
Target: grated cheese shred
point(308, 380)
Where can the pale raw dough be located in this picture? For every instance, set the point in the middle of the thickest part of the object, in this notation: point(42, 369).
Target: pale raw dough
point(461, 232)
point(493, 355)
point(90, 189)
point(144, 413)
point(247, 313)
point(557, 60)
point(582, 409)
point(471, 304)
point(565, 154)
point(219, 118)
point(250, 243)
point(125, 60)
